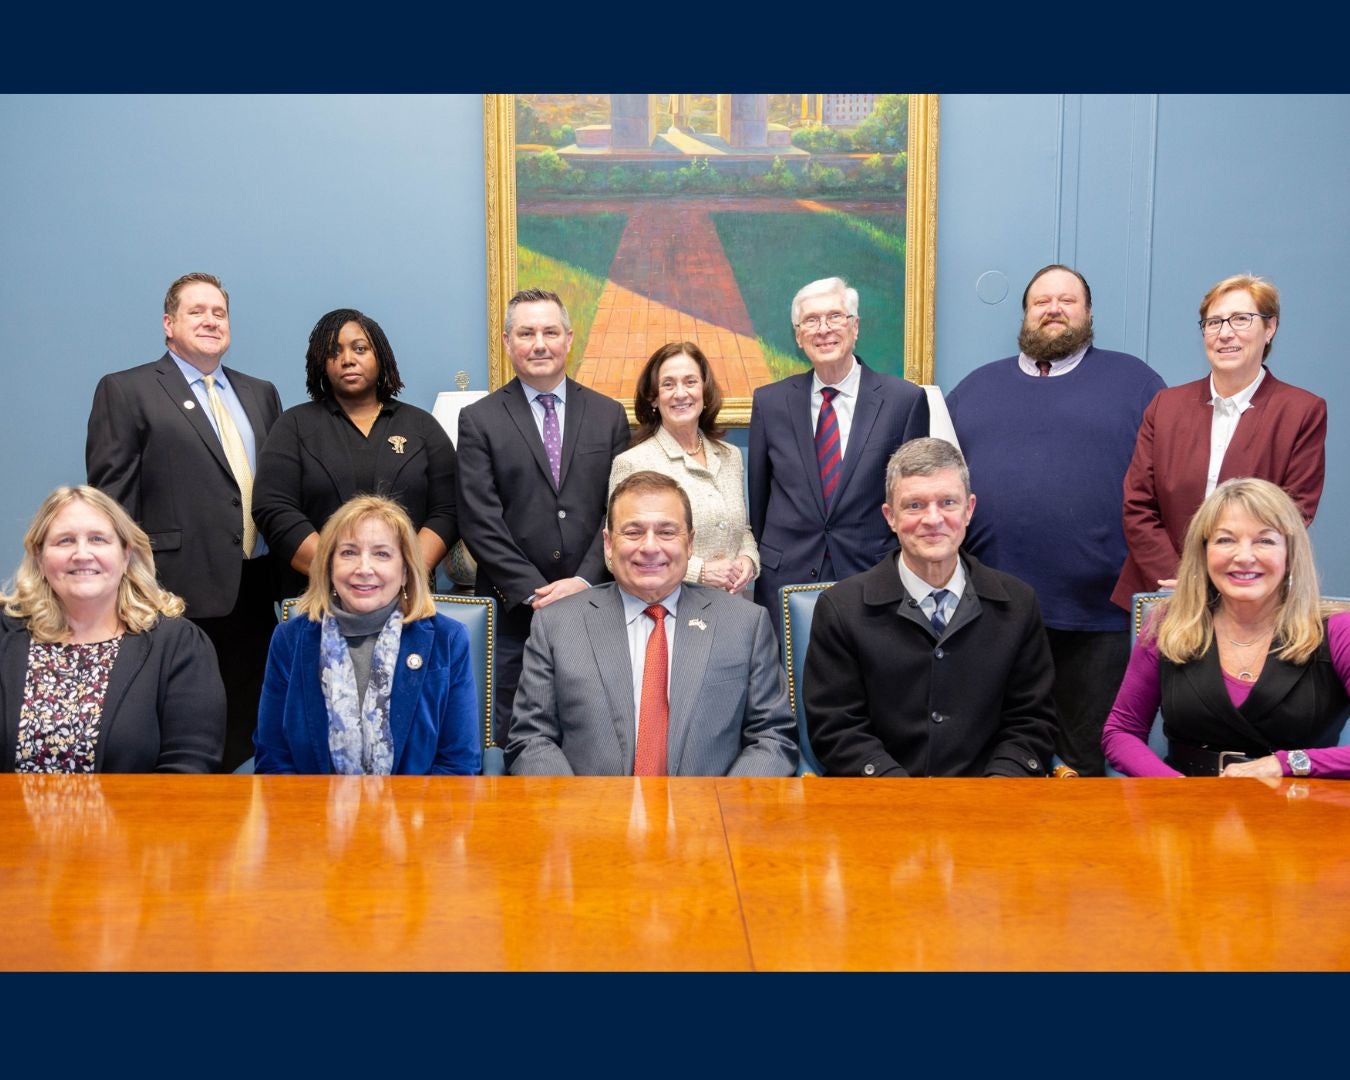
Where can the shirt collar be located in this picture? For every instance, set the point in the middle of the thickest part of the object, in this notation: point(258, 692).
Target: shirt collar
point(194, 375)
point(918, 588)
point(1242, 399)
point(531, 394)
point(1028, 365)
point(633, 607)
point(848, 385)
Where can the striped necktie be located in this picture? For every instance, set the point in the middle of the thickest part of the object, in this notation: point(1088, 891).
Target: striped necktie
point(827, 444)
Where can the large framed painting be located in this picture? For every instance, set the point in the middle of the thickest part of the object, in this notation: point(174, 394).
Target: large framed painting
point(697, 217)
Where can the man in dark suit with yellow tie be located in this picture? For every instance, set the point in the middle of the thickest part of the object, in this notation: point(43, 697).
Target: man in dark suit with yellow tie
point(534, 460)
point(175, 442)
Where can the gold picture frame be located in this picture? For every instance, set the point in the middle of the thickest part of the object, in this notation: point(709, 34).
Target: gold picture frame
point(920, 258)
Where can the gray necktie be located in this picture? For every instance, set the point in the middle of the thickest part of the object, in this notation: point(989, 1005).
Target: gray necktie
point(939, 623)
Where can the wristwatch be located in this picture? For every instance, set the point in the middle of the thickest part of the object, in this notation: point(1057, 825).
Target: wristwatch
point(1299, 764)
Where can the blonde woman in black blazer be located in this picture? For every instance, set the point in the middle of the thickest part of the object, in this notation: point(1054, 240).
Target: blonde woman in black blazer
point(99, 672)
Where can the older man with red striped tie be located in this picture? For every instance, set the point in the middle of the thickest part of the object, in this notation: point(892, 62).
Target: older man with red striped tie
point(818, 448)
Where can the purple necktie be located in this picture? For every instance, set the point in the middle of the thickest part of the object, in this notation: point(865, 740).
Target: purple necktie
point(827, 444)
point(552, 436)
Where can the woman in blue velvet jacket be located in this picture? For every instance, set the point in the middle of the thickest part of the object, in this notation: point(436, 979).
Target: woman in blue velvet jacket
point(366, 677)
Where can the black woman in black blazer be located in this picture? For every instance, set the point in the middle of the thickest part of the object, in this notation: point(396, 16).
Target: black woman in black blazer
point(353, 438)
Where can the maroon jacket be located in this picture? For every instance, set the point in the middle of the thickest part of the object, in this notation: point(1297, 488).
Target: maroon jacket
point(1281, 438)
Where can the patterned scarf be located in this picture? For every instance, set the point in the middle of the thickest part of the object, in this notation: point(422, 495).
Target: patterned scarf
point(359, 738)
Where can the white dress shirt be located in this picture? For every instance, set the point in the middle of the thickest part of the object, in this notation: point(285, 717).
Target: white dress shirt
point(1057, 367)
point(921, 591)
point(639, 630)
point(844, 402)
point(1223, 425)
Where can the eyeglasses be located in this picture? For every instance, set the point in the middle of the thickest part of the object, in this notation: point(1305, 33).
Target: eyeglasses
point(834, 320)
point(1239, 320)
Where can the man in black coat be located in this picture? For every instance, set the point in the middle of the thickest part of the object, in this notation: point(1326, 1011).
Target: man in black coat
point(929, 664)
point(155, 444)
point(532, 481)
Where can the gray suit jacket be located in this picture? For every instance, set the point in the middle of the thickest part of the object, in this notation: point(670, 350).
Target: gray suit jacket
point(729, 710)
point(163, 462)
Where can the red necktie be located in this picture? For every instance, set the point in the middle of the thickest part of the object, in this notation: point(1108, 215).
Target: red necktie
point(653, 707)
point(1043, 366)
point(827, 444)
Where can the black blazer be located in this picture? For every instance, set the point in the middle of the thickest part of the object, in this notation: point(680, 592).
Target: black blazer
point(162, 461)
point(165, 706)
point(885, 697)
point(523, 532)
point(305, 472)
point(787, 507)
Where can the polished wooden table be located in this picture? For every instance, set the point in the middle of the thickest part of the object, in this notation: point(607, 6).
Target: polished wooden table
point(505, 873)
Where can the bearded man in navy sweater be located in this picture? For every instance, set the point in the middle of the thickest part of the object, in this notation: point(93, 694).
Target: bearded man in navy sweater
point(1048, 435)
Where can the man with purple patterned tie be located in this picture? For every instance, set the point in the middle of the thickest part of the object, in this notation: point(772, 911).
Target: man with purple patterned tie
point(534, 460)
point(818, 448)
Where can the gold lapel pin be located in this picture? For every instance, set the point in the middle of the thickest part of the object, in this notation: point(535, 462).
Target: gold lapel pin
point(397, 442)
point(414, 661)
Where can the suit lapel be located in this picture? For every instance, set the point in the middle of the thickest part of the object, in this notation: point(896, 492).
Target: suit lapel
point(865, 413)
point(1239, 457)
point(799, 417)
point(13, 675)
point(131, 657)
point(246, 392)
point(185, 403)
point(692, 645)
point(608, 635)
point(415, 639)
point(316, 706)
point(575, 416)
point(518, 408)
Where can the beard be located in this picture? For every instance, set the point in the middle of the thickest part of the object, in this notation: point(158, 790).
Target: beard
point(1040, 345)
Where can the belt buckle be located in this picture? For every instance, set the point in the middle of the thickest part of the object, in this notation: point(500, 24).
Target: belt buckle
point(1231, 756)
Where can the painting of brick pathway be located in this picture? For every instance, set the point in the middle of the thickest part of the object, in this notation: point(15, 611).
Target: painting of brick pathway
point(671, 281)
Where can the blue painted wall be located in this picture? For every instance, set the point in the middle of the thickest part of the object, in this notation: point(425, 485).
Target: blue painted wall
point(1155, 198)
point(302, 203)
point(299, 203)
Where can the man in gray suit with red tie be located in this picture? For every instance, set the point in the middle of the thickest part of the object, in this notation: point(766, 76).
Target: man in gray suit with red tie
point(819, 443)
point(649, 675)
point(534, 461)
point(175, 442)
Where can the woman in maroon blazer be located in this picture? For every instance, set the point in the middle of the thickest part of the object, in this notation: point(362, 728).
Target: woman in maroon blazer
point(1240, 421)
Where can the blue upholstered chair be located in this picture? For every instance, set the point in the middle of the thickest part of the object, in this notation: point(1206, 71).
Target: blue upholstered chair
point(478, 614)
point(796, 606)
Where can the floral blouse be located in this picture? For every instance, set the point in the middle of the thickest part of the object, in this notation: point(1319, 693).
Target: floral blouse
point(63, 704)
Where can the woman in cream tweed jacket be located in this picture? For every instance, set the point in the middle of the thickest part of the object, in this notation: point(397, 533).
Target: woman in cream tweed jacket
point(676, 402)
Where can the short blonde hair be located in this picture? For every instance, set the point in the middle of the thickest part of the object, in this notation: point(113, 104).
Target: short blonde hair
point(140, 599)
point(1185, 627)
point(1265, 294)
point(317, 600)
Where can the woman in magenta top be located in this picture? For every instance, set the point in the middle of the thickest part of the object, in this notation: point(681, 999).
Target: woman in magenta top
point(1250, 668)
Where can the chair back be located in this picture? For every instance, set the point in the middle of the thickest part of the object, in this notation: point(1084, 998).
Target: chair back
point(796, 608)
point(478, 615)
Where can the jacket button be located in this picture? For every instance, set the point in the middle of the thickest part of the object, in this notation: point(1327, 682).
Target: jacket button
point(939, 653)
point(557, 555)
point(1033, 764)
point(236, 539)
point(869, 769)
point(813, 573)
point(562, 513)
point(235, 501)
point(938, 718)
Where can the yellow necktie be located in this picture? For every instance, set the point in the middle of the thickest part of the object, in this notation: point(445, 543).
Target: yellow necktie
point(237, 456)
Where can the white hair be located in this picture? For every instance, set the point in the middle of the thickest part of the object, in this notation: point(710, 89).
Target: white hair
point(828, 286)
